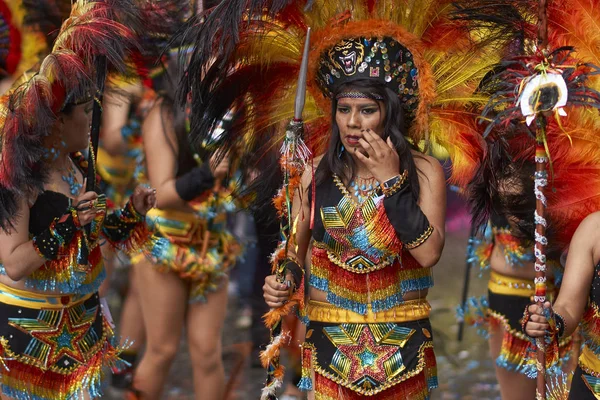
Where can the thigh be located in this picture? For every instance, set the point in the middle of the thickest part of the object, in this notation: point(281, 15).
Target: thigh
point(204, 321)
point(163, 300)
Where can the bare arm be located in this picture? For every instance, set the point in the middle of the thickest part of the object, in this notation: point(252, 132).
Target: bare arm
point(276, 293)
point(160, 147)
point(584, 255)
point(432, 200)
point(115, 116)
point(17, 253)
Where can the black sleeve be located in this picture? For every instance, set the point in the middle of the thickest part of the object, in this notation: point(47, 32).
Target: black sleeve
point(195, 182)
point(409, 222)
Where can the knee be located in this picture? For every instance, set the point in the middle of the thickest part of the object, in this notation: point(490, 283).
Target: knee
point(206, 355)
point(164, 352)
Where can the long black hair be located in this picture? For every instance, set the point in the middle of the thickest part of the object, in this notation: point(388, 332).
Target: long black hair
point(341, 163)
point(166, 87)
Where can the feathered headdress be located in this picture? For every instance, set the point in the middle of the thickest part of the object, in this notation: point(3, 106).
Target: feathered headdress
point(249, 52)
point(30, 110)
point(572, 139)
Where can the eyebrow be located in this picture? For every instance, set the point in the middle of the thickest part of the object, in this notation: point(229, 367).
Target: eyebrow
point(361, 105)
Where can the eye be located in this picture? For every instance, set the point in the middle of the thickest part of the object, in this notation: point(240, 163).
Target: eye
point(343, 110)
point(369, 111)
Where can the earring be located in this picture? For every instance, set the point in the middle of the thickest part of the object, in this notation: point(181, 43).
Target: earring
point(341, 151)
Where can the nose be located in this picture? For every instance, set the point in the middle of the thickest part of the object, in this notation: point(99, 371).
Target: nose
point(354, 120)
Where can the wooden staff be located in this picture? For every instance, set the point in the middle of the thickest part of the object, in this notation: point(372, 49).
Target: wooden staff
point(541, 174)
point(541, 180)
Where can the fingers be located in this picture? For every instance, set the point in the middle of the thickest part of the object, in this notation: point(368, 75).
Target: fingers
point(274, 292)
point(390, 144)
point(375, 141)
point(367, 148)
point(86, 201)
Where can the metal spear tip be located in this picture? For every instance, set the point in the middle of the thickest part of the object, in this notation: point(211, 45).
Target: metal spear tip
point(301, 90)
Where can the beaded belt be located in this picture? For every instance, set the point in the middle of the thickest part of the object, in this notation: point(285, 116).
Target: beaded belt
point(589, 362)
point(38, 301)
point(411, 310)
point(508, 285)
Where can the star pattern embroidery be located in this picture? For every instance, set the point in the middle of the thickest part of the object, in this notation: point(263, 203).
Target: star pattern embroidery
point(63, 339)
point(367, 358)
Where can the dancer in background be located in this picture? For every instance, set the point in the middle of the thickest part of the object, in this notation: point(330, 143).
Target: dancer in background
point(55, 336)
point(184, 279)
point(506, 251)
point(120, 164)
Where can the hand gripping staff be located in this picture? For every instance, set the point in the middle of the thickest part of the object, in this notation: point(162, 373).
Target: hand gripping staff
point(294, 156)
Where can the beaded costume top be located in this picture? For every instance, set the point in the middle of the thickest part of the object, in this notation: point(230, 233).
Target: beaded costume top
point(590, 329)
point(516, 252)
point(357, 257)
point(79, 269)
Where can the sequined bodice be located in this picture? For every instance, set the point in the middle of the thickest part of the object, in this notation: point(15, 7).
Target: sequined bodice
point(80, 269)
point(590, 325)
point(357, 258)
point(517, 252)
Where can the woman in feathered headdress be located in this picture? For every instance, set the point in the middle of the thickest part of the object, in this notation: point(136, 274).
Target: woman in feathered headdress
point(384, 77)
point(55, 338)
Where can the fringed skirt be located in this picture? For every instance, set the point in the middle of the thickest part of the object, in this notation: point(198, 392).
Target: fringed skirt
point(508, 298)
point(386, 355)
point(198, 253)
point(53, 347)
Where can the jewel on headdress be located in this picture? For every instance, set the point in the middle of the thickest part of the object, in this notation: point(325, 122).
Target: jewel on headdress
point(374, 72)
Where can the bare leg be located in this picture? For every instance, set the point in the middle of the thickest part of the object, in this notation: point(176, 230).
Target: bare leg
point(164, 303)
point(204, 329)
point(132, 324)
point(513, 385)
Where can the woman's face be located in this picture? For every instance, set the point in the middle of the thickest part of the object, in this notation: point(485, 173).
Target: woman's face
point(356, 115)
point(75, 126)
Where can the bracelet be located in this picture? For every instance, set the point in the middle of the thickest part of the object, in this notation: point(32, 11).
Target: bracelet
point(295, 269)
point(561, 326)
point(130, 214)
point(392, 185)
point(525, 319)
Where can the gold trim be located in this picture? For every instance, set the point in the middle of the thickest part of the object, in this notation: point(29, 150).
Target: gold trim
point(508, 285)
point(39, 301)
point(420, 240)
point(411, 310)
point(99, 346)
point(589, 362)
point(388, 384)
point(337, 261)
point(396, 186)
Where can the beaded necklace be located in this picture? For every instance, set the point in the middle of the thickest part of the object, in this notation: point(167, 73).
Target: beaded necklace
point(71, 179)
point(363, 188)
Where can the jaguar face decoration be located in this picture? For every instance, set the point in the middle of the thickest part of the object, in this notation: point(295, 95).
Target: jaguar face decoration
point(347, 55)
